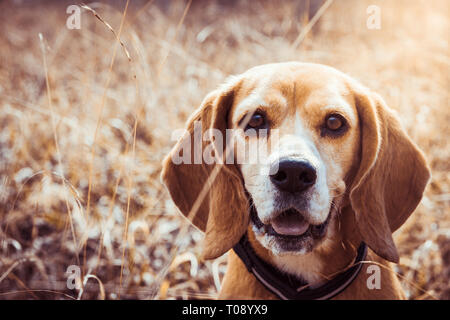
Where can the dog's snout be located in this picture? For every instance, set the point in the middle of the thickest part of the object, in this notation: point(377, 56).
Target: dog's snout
point(294, 175)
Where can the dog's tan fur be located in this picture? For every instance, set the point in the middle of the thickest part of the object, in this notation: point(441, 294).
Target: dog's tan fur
point(375, 174)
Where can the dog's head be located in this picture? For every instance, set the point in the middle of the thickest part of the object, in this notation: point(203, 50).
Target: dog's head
point(330, 144)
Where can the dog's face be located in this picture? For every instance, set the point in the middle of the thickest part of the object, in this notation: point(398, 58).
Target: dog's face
point(312, 141)
point(331, 144)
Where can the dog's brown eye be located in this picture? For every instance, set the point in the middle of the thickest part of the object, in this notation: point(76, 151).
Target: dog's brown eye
point(334, 126)
point(334, 122)
point(256, 121)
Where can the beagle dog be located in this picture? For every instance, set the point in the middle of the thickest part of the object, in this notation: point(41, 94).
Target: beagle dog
point(340, 174)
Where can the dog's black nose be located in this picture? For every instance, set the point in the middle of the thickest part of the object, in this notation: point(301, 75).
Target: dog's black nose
point(294, 175)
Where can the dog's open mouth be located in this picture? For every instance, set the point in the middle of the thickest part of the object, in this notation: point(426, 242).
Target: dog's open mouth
point(290, 224)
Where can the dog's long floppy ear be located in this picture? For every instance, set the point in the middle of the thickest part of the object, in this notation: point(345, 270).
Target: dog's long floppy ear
point(391, 177)
point(222, 214)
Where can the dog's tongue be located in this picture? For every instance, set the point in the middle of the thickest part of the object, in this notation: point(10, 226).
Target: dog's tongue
point(290, 224)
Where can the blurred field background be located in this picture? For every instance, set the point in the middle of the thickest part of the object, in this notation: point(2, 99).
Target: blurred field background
point(80, 157)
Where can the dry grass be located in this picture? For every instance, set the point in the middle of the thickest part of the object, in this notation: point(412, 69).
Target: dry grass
point(80, 153)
